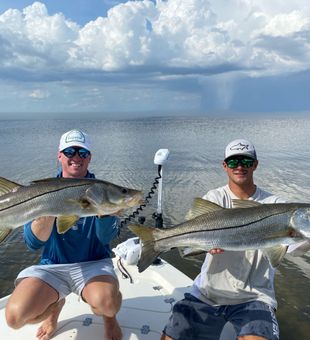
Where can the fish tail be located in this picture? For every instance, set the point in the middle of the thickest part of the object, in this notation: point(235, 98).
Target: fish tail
point(148, 252)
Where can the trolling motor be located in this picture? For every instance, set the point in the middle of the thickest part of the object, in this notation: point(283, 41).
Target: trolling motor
point(159, 159)
point(129, 250)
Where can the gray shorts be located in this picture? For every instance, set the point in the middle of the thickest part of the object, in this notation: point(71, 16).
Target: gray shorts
point(193, 319)
point(69, 277)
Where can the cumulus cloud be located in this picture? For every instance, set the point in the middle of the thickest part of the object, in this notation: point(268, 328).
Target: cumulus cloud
point(173, 34)
point(158, 41)
point(32, 39)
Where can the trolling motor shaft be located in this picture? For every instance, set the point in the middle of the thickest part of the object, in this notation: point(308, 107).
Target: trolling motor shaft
point(159, 159)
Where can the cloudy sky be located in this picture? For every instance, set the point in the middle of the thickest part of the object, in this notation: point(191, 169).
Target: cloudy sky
point(140, 58)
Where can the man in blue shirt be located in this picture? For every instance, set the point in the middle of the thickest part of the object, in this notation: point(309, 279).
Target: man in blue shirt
point(78, 261)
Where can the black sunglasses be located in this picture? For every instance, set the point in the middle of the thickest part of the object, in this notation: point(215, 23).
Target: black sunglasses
point(245, 162)
point(71, 152)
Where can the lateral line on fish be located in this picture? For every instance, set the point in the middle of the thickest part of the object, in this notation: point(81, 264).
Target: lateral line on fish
point(212, 230)
point(42, 194)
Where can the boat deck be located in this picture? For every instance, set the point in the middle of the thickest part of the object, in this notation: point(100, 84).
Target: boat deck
point(146, 307)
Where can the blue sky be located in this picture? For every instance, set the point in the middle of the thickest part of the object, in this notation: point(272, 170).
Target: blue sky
point(140, 58)
point(80, 11)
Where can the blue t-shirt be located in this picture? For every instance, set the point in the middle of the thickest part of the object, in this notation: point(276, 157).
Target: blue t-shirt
point(87, 240)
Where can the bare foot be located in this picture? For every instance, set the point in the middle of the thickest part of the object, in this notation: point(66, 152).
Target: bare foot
point(49, 325)
point(112, 329)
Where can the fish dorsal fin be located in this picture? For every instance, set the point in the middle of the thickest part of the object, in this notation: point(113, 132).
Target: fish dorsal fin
point(201, 206)
point(7, 186)
point(51, 179)
point(68, 180)
point(275, 254)
point(245, 203)
point(43, 180)
point(64, 223)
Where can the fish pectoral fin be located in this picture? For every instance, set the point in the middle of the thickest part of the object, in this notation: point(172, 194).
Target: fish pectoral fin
point(201, 206)
point(7, 186)
point(275, 254)
point(188, 252)
point(84, 203)
point(244, 203)
point(64, 223)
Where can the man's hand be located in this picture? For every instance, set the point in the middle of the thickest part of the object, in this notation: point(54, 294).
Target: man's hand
point(42, 227)
point(216, 251)
point(45, 220)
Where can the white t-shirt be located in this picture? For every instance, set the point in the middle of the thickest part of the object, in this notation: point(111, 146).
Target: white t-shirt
point(235, 277)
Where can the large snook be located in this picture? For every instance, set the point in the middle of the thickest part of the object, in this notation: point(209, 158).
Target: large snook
point(270, 227)
point(66, 198)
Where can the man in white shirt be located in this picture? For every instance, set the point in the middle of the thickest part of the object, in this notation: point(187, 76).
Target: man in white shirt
point(235, 286)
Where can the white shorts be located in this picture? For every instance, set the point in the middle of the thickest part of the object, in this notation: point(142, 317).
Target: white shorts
point(69, 277)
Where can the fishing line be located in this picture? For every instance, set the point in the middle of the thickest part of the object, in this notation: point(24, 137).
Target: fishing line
point(146, 200)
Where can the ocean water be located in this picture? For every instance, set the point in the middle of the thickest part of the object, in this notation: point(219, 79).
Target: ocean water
point(124, 152)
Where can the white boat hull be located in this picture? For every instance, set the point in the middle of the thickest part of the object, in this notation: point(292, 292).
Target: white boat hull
point(146, 307)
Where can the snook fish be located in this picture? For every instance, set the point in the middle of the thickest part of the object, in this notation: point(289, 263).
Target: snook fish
point(66, 198)
point(250, 225)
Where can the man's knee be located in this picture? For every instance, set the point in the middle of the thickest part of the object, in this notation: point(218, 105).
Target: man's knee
point(13, 316)
point(110, 302)
point(105, 302)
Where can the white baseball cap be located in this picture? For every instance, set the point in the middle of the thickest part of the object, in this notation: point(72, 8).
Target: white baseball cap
point(240, 147)
point(74, 138)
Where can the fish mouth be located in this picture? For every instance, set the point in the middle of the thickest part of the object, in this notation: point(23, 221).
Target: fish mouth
point(135, 200)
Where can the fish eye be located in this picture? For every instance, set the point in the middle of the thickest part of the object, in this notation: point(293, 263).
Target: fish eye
point(124, 191)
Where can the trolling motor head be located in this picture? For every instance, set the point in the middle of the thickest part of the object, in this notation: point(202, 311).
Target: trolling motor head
point(161, 156)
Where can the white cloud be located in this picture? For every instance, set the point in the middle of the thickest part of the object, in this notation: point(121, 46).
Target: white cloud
point(174, 33)
point(287, 24)
point(115, 42)
point(39, 94)
point(33, 39)
point(154, 45)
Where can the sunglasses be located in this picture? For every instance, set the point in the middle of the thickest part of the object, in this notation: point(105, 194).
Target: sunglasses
point(233, 163)
point(71, 152)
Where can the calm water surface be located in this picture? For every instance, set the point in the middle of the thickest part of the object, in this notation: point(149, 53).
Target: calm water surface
point(124, 152)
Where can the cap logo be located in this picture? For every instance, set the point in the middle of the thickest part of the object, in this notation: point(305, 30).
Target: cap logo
point(240, 147)
point(75, 136)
